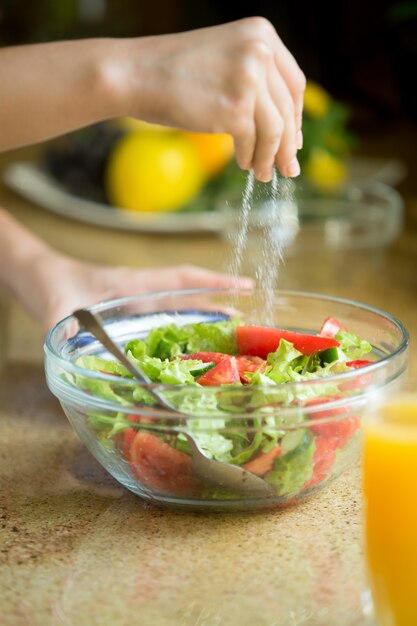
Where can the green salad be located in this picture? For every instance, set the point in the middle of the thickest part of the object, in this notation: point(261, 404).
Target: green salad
point(228, 382)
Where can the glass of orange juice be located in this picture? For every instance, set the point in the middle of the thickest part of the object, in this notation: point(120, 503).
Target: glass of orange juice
point(390, 490)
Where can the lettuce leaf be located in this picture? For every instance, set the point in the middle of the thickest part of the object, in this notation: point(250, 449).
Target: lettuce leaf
point(98, 364)
point(213, 337)
point(352, 346)
point(169, 341)
point(280, 362)
point(292, 470)
point(206, 434)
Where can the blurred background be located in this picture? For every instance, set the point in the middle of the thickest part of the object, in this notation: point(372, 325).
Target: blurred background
point(360, 126)
point(364, 54)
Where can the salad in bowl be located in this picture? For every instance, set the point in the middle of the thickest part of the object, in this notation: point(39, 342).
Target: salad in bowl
point(282, 402)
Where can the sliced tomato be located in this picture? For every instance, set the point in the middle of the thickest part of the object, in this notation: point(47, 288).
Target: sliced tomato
point(339, 429)
point(263, 463)
point(125, 438)
point(323, 459)
point(224, 373)
point(331, 327)
point(248, 363)
point(159, 466)
point(128, 436)
point(359, 381)
point(206, 357)
point(261, 340)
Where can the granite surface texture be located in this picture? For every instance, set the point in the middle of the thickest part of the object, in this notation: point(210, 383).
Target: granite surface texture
point(76, 549)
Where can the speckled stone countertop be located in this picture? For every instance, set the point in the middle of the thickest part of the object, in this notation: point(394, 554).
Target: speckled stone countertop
point(76, 549)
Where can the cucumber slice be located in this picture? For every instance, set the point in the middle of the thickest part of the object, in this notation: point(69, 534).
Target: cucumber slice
point(292, 440)
point(201, 368)
point(292, 470)
point(329, 356)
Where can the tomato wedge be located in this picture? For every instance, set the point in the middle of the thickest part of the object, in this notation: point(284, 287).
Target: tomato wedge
point(206, 357)
point(126, 437)
point(159, 466)
point(248, 363)
point(261, 340)
point(358, 363)
point(323, 459)
point(339, 429)
point(224, 373)
point(263, 463)
point(331, 327)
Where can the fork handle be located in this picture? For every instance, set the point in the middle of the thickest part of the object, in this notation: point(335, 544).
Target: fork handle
point(92, 324)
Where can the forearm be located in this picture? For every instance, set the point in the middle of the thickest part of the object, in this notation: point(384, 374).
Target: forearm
point(50, 89)
point(236, 78)
point(24, 262)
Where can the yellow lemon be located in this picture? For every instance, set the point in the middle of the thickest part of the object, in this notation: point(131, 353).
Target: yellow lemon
point(316, 100)
point(324, 170)
point(153, 172)
point(215, 150)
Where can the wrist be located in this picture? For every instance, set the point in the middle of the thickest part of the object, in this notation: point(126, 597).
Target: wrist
point(29, 282)
point(134, 77)
point(27, 266)
point(116, 76)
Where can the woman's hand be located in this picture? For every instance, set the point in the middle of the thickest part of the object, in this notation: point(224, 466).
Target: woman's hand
point(50, 285)
point(236, 78)
point(61, 284)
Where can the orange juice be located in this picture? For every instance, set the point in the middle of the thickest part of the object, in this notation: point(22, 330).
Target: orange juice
point(390, 485)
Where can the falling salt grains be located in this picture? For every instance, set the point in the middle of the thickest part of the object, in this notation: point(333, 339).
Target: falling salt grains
point(242, 233)
point(277, 234)
point(275, 231)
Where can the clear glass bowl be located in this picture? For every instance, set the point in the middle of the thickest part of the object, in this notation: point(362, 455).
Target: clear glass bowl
point(315, 422)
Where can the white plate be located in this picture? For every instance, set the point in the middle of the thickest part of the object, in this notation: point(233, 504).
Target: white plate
point(34, 184)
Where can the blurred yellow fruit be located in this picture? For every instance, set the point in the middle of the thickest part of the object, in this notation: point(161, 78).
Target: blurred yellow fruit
point(215, 150)
point(324, 170)
point(316, 100)
point(153, 172)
